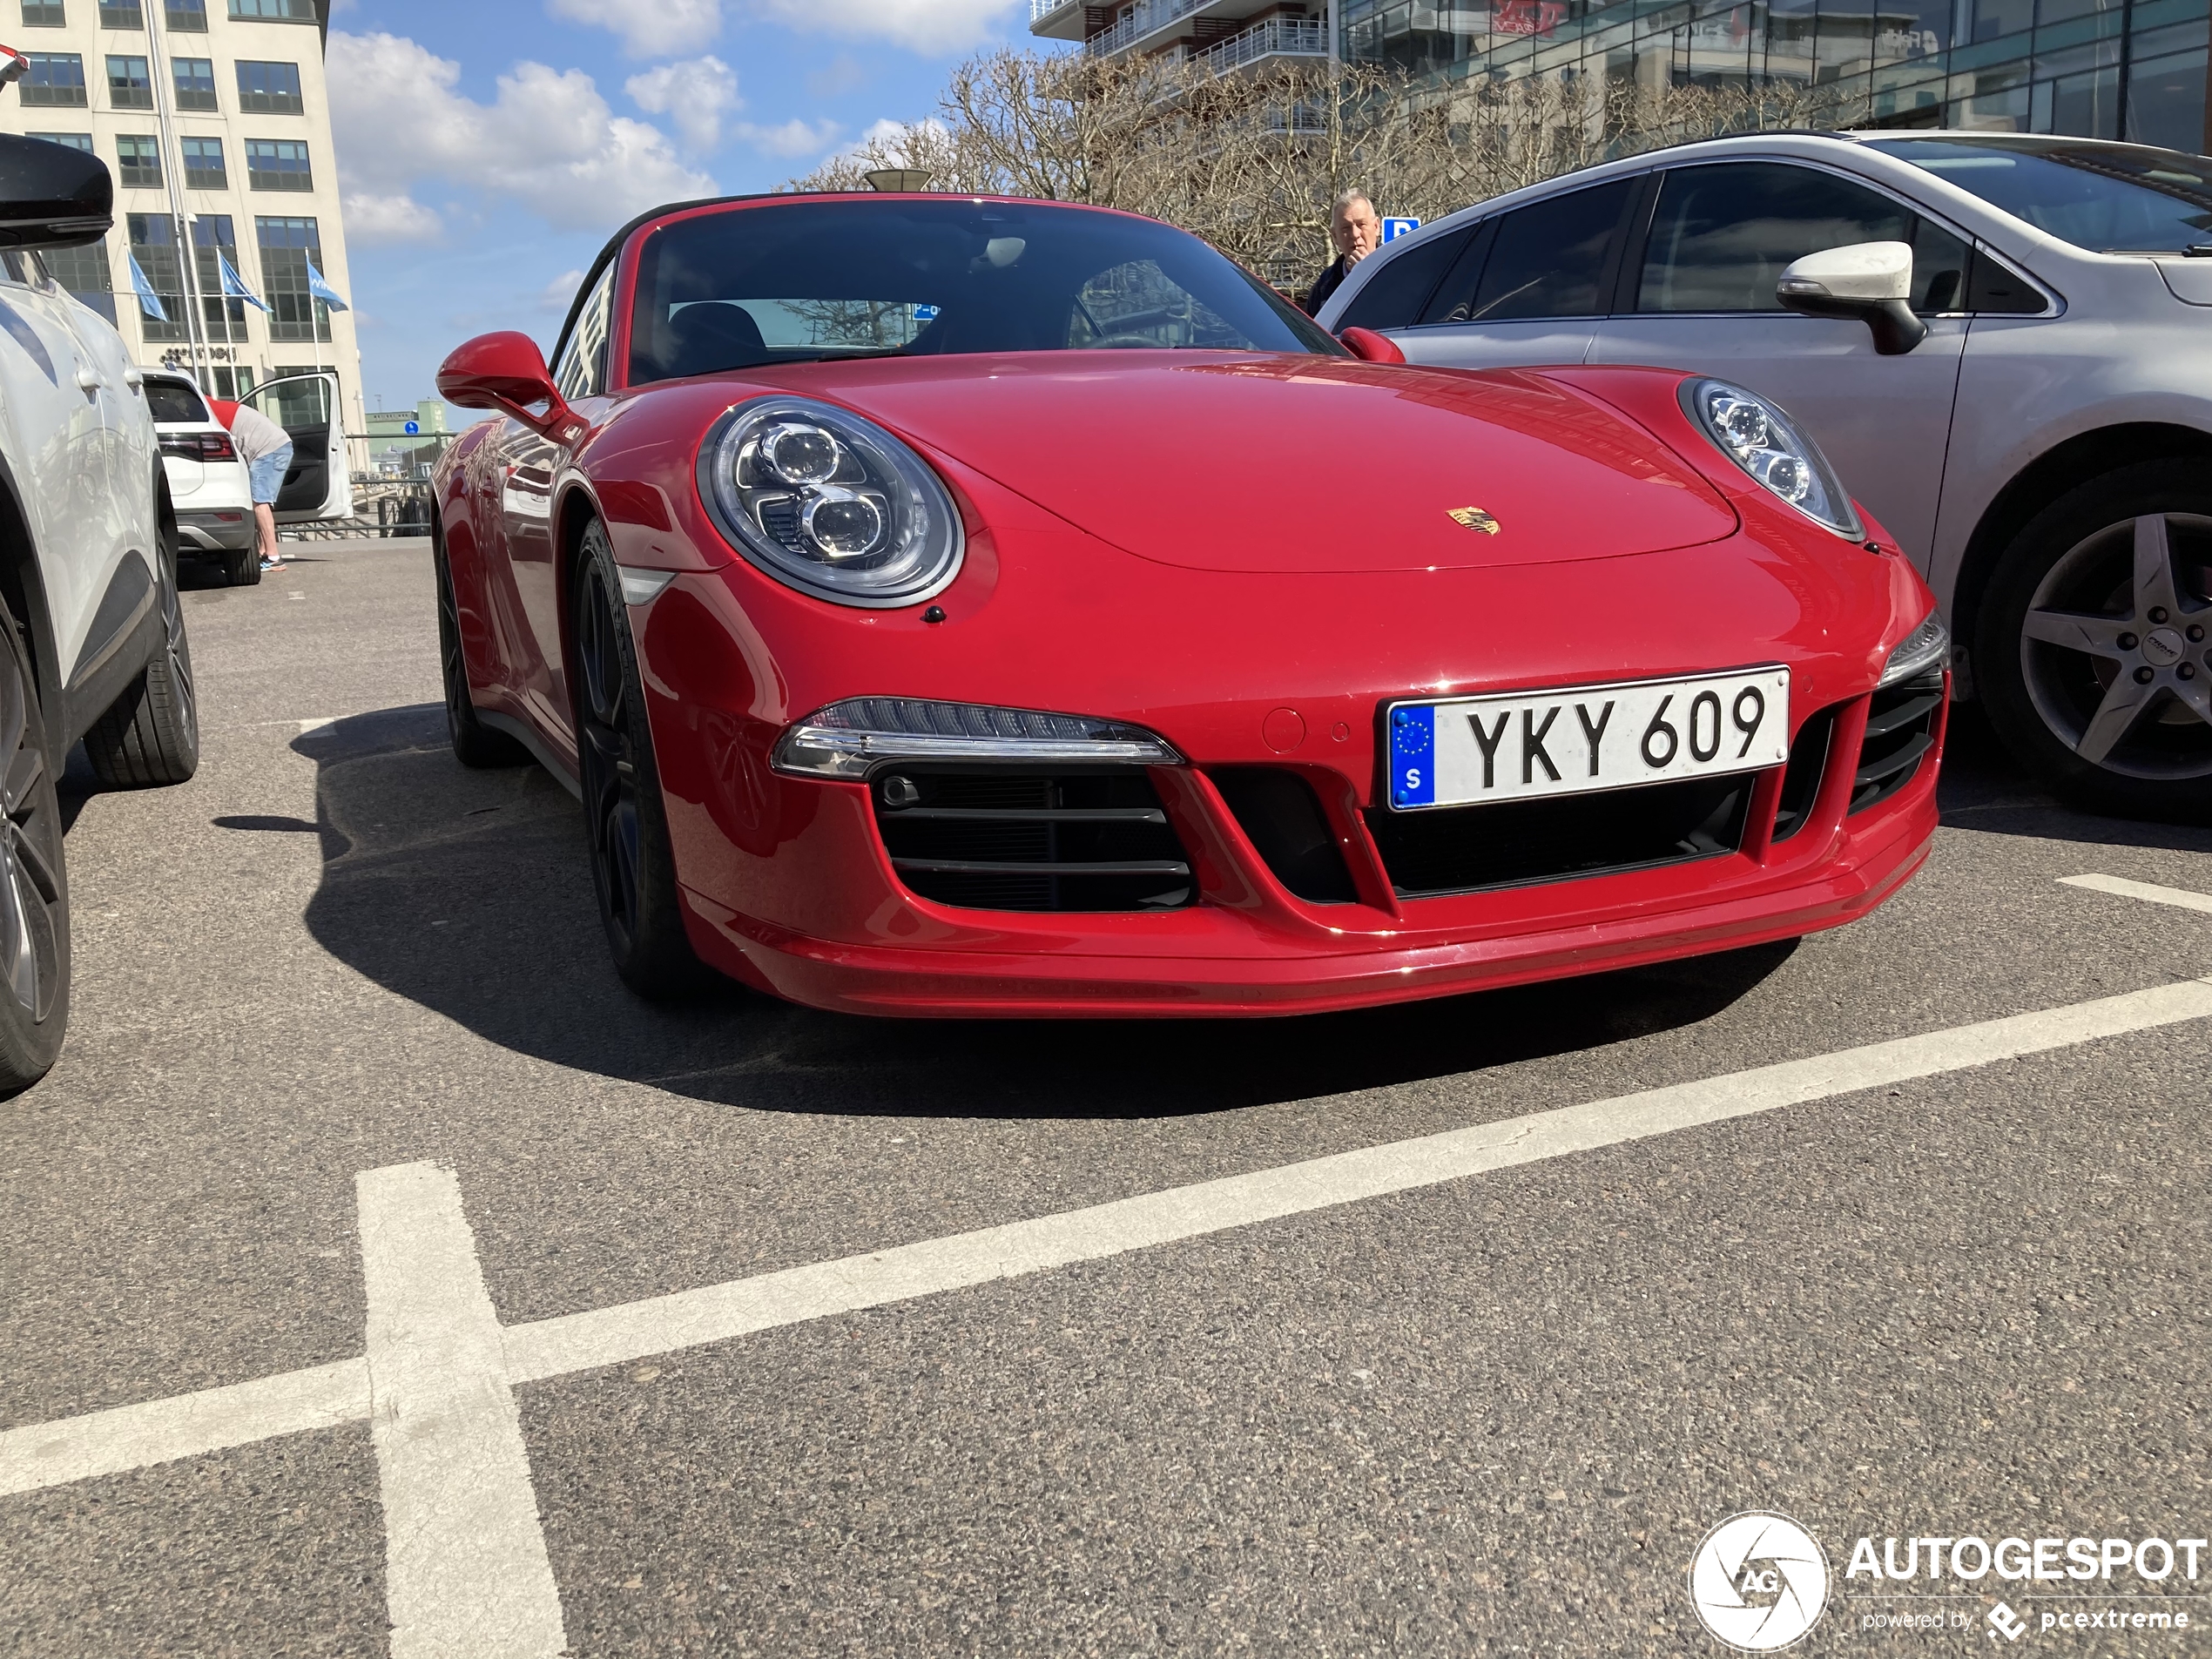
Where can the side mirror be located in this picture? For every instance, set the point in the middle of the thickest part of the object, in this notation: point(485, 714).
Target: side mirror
point(1871, 281)
point(52, 195)
point(1371, 347)
point(507, 372)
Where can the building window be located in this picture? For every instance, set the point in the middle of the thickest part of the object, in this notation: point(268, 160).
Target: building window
point(287, 246)
point(187, 17)
point(277, 164)
point(130, 84)
point(74, 140)
point(140, 161)
point(84, 272)
point(43, 14)
point(54, 78)
point(153, 245)
point(195, 79)
point(274, 10)
point(269, 89)
point(122, 14)
point(203, 168)
point(214, 240)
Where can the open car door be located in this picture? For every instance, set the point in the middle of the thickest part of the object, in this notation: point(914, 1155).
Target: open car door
point(318, 485)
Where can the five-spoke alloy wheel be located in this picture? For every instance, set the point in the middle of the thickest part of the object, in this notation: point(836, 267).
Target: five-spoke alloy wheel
point(2095, 647)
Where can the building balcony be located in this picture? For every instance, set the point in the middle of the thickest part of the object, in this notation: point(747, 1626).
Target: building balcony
point(1276, 37)
point(1057, 19)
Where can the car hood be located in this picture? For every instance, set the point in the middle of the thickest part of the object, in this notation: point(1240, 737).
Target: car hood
point(1267, 464)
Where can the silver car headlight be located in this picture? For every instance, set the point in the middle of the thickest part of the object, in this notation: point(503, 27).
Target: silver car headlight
point(1927, 646)
point(1763, 440)
point(830, 503)
point(845, 740)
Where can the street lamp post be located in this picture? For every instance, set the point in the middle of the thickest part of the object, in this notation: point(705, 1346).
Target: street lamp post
point(171, 161)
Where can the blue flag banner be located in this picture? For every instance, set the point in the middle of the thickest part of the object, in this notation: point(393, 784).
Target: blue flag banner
point(323, 291)
point(234, 285)
point(149, 301)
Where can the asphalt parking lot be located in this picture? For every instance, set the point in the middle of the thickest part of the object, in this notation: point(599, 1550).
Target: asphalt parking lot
point(348, 1072)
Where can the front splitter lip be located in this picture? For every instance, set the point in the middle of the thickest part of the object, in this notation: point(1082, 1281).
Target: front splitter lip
point(899, 981)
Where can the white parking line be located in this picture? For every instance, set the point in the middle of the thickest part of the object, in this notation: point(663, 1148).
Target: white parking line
point(132, 1437)
point(465, 1570)
point(2180, 898)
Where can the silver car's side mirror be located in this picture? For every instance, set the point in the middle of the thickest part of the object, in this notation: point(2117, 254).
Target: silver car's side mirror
point(1871, 281)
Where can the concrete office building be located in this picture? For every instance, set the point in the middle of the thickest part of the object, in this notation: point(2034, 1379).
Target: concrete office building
point(2132, 69)
point(213, 116)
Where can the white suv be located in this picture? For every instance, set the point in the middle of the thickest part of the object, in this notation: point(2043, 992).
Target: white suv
point(209, 485)
point(93, 643)
point(2029, 412)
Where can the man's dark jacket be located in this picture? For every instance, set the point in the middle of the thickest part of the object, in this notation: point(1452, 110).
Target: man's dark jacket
point(1329, 281)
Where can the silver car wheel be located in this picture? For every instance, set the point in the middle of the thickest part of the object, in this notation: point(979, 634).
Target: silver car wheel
point(2114, 653)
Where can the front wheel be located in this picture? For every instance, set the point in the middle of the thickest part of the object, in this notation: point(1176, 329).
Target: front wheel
point(475, 743)
point(633, 868)
point(34, 884)
point(2094, 647)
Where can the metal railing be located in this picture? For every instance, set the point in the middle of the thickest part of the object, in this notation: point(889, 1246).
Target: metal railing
point(1277, 37)
point(1140, 23)
point(1039, 10)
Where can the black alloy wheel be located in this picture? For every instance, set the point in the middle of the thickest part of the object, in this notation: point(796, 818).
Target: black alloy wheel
point(2095, 646)
point(633, 868)
point(475, 743)
point(34, 886)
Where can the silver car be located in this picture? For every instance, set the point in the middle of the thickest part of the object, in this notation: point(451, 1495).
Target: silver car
point(2029, 413)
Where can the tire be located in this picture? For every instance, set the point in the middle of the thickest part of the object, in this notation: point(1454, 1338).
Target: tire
point(150, 735)
point(242, 569)
point(2094, 648)
point(34, 883)
point(633, 871)
point(475, 743)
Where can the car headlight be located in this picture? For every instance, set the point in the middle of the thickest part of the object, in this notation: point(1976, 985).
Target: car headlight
point(845, 740)
point(830, 503)
point(1763, 440)
point(1927, 646)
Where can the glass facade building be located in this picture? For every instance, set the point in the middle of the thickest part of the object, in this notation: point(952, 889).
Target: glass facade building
point(2110, 69)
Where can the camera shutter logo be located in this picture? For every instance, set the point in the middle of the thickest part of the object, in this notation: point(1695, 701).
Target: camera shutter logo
point(1759, 1582)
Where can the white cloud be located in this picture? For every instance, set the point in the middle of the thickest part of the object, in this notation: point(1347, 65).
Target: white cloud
point(561, 291)
point(649, 28)
point(696, 93)
point(930, 26)
point(549, 142)
point(794, 137)
point(373, 219)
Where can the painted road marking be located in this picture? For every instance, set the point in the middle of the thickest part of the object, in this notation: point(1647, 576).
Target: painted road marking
point(466, 1575)
point(2180, 898)
point(132, 1437)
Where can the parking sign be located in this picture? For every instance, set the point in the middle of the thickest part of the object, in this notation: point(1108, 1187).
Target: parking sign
point(1394, 229)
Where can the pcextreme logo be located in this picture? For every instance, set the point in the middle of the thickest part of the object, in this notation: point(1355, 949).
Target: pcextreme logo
point(1759, 1582)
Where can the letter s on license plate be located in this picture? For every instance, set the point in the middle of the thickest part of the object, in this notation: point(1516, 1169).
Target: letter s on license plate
point(1519, 744)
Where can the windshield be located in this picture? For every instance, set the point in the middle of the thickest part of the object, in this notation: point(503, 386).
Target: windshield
point(2108, 198)
point(809, 281)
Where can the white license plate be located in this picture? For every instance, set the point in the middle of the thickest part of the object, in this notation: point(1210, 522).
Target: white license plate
point(1453, 752)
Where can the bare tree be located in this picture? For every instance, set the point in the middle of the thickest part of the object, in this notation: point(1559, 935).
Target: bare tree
point(1250, 158)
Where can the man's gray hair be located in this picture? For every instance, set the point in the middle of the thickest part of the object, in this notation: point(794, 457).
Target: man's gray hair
point(1349, 197)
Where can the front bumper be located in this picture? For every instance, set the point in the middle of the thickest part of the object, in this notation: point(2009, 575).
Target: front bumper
point(225, 530)
point(865, 944)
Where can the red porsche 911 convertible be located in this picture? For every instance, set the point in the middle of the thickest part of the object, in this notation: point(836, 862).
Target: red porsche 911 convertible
point(960, 606)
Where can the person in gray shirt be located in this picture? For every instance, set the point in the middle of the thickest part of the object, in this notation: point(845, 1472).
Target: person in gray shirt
point(266, 447)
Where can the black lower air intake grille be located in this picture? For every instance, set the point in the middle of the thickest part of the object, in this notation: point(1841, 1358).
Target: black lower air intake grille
point(1801, 782)
point(1020, 840)
point(1900, 731)
point(1282, 817)
point(1463, 849)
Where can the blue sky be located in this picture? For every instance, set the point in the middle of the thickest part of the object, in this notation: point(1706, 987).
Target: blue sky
point(487, 148)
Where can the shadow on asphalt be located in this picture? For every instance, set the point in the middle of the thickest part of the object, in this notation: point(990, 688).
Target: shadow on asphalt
point(1984, 790)
point(467, 892)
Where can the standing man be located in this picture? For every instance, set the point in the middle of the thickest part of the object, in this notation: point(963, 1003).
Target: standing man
point(266, 447)
point(1356, 229)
